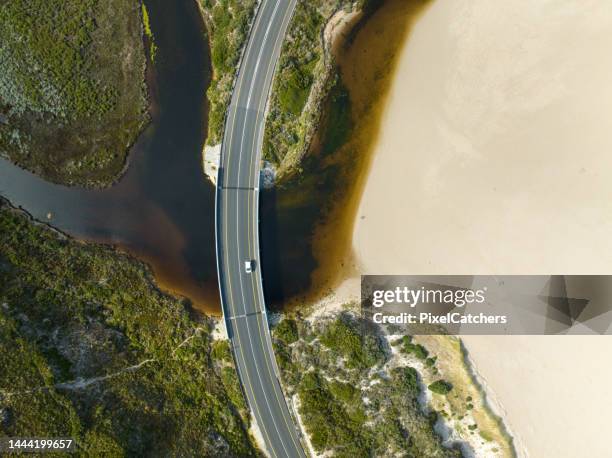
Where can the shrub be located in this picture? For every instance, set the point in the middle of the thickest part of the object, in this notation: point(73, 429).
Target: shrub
point(287, 331)
point(342, 337)
point(440, 387)
point(417, 350)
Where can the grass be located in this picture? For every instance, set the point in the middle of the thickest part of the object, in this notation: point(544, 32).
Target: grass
point(72, 87)
point(156, 384)
point(148, 32)
point(466, 398)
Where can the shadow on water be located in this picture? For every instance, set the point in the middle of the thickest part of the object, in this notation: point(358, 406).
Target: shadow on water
point(309, 220)
point(286, 258)
point(162, 209)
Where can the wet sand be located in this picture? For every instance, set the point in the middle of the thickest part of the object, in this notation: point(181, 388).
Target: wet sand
point(367, 60)
point(494, 157)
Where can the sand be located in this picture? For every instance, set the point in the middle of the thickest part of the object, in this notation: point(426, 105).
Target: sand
point(495, 158)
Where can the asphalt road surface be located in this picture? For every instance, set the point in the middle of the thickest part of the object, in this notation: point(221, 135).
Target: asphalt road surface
point(237, 227)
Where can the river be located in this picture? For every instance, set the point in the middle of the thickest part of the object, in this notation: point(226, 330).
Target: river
point(162, 209)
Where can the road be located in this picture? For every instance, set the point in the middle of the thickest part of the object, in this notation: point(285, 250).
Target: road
point(237, 235)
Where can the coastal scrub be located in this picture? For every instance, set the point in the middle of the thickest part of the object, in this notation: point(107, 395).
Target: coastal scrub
point(72, 93)
point(349, 395)
point(306, 74)
point(91, 349)
point(227, 22)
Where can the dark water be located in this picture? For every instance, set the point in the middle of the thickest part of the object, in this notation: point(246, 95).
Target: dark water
point(162, 210)
point(307, 221)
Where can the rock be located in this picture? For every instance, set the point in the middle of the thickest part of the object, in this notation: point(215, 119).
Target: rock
point(212, 157)
point(268, 175)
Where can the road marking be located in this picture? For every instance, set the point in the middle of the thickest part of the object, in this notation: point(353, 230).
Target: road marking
point(291, 432)
point(255, 404)
point(253, 234)
point(237, 188)
point(244, 123)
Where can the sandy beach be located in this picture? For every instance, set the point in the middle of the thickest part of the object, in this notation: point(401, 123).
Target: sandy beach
point(494, 158)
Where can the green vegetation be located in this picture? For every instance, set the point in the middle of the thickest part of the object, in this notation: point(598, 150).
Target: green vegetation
point(287, 331)
point(148, 32)
point(305, 76)
point(409, 348)
point(350, 402)
point(331, 422)
point(306, 82)
point(146, 22)
point(72, 95)
point(90, 348)
point(227, 22)
point(440, 387)
point(360, 349)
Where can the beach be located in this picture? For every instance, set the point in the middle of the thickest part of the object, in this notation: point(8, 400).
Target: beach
point(494, 158)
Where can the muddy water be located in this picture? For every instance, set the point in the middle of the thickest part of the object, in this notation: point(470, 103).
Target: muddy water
point(162, 210)
point(308, 221)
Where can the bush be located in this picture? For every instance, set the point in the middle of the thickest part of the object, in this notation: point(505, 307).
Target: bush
point(286, 331)
point(361, 351)
point(73, 311)
point(227, 23)
point(343, 391)
point(415, 349)
point(440, 387)
point(406, 378)
point(327, 421)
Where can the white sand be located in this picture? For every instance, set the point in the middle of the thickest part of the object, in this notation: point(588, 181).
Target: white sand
point(495, 157)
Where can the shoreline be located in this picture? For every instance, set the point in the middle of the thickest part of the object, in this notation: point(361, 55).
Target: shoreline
point(141, 213)
point(117, 250)
point(492, 403)
point(375, 40)
point(475, 171)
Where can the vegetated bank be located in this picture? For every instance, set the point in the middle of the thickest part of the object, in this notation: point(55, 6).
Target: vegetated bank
point(72, 92)
point(359, 391)
point(91, 349)
point(228, 23)
point(161, 210)
point(320, 143)
point(306, 73)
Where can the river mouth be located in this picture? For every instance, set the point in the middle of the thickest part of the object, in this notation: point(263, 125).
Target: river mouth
point(307, 221)
point(162, 209)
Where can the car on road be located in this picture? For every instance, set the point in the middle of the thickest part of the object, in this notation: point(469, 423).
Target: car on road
point(249, 266)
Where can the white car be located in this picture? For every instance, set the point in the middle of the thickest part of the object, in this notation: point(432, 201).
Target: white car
point(249, 266)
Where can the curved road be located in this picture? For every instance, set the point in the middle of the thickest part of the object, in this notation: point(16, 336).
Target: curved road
point(237, 233)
